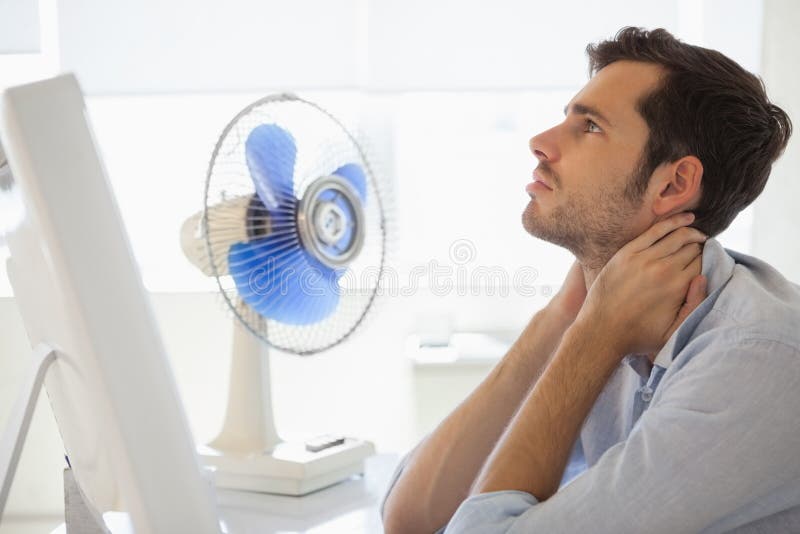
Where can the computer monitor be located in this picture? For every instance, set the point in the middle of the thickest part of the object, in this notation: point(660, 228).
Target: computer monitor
point(79, 291)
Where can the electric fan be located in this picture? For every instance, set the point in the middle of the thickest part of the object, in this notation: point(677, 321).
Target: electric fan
point(293, 230)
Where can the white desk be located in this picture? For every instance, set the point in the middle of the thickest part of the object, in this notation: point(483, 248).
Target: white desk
point(350, 507)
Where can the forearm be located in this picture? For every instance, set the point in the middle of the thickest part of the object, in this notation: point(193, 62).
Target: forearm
point(442, 468)
point(533, 452)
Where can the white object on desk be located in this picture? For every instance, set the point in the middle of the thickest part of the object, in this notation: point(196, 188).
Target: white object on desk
point(249, 455)
point(261, 282)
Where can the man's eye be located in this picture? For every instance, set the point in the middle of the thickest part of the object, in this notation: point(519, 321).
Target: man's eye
point(592, 126)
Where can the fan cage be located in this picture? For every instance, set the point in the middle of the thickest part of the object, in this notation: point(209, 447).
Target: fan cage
point(323, 145)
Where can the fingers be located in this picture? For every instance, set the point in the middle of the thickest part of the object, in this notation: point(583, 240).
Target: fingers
point(661, 229)
point(686, 254)
point(694, 297)
point(695, 266)
point(697, 292)
point(675, 241)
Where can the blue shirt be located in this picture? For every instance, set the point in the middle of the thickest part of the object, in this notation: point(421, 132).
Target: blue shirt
point(707, 439)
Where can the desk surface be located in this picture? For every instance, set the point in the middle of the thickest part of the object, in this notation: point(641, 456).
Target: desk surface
point(348, 507)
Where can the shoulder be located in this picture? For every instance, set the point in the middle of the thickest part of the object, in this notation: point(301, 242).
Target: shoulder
point(758, 304)
point(747, 375)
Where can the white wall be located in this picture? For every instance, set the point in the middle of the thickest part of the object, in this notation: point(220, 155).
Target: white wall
point(19, 27)
point(777, 219)
point(203, 45)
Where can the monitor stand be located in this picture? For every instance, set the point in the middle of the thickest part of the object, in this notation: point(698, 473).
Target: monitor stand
point(20, 419)
point(80, 517)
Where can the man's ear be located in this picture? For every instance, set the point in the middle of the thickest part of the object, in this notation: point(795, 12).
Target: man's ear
point(678, 187)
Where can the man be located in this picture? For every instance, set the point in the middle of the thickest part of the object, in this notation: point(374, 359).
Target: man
point(659, 390)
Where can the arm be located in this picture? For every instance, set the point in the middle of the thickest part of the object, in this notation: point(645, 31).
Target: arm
point(533, 453)
point(442, 468)
point(645, 284)
point(716, 450)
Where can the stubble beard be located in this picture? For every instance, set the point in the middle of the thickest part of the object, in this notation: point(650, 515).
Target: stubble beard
point(592, 228)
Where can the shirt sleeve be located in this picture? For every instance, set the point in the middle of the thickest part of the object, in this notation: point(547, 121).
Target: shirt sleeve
point(723, 433)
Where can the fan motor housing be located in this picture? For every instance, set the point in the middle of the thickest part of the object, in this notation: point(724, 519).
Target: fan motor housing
point(330, 220)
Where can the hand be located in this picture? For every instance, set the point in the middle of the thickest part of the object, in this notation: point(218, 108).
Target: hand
point(569, 299)
point(648, 287)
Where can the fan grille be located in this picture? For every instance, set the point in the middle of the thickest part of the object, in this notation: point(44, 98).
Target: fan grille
point(323, 145)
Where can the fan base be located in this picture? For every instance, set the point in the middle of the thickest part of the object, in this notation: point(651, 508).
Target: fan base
point(289, 469)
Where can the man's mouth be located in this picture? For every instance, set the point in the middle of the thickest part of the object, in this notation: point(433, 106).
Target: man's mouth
point(538, 185)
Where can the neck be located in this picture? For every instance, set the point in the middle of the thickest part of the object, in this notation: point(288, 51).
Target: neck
point(590, 274)
point(591, 269)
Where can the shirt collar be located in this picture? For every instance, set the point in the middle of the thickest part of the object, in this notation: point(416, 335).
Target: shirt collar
point(717, 266)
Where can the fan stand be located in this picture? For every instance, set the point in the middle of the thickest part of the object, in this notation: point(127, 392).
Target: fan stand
point(249, 455)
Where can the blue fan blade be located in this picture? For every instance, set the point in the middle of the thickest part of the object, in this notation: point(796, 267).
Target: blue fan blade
point(270, 151)
point(353, 174)
point(283, 283)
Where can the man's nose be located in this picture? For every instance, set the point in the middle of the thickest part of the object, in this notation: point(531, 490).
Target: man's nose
point(545, 145)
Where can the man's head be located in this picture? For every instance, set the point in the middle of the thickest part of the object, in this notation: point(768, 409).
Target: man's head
point(660, 127)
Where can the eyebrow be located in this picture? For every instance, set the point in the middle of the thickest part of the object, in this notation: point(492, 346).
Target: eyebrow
point(582, 109)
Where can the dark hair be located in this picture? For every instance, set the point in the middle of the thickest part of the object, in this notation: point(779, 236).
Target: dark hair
point(708, 106)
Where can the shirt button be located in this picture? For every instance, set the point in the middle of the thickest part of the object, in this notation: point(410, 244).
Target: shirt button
point(647, 394)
